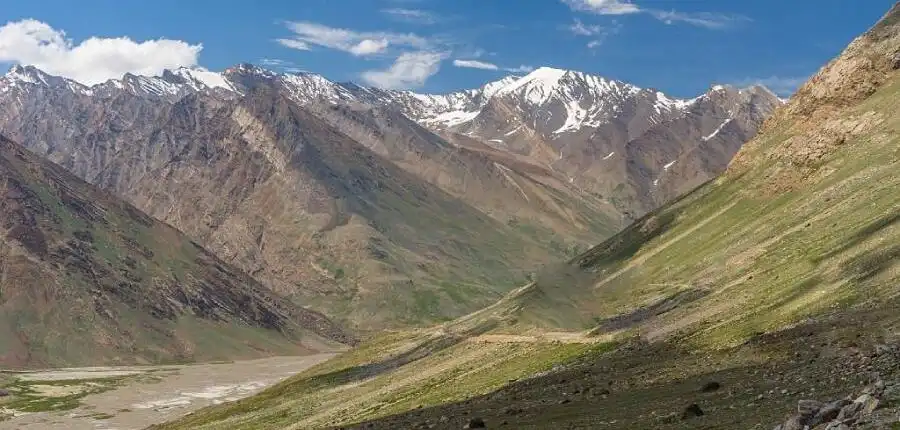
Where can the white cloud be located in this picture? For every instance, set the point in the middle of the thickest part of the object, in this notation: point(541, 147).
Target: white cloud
point(93, 60)
point(475, 64)
point(710, 20)
point(294, 44)
point(412, 16)
point(483, 65)
point(521, 69)
point(604, 7)
point(369, 47)
point(410, 70)
point(350, 41)
point(782, 85)
point(578, 28)
point(594, 44)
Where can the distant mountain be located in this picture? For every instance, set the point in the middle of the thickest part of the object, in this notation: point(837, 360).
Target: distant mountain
point(482, 186)
point(89, 279)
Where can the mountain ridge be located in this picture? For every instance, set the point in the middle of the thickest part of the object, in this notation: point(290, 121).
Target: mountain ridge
point(90, 279)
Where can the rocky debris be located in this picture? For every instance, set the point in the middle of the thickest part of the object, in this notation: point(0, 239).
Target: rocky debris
point(692, 411)
point(847, 413)
point(3, 393)
point(475, 423)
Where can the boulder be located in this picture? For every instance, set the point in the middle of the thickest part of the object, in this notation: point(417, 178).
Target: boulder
point(809, 408)
point(828, 412)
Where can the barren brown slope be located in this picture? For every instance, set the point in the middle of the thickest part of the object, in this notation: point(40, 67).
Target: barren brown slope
point(509, 188)
point(86, 278)
point(283, 195)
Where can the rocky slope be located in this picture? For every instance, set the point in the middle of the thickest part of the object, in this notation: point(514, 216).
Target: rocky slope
point(205, 151)
point(771, 286)
point(86, 278)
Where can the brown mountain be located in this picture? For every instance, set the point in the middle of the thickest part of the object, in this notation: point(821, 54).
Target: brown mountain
point(358, 203)
point(86, 278)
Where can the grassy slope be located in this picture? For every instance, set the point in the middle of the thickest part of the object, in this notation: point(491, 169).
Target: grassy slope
point(395, 373)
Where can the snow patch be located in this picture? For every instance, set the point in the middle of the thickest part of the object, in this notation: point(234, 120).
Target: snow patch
point(505, 171)
point(717, 130)
point(672, 163)
point(608, 156)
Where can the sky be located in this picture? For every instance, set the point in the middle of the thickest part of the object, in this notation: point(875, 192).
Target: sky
point(680, 47)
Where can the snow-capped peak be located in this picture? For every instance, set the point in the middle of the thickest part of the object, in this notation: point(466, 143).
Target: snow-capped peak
point(20, 75)
point(199, 78)
point(536, 86)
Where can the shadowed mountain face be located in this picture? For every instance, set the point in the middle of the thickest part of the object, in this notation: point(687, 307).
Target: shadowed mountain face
point(374, 206)
point(86, 278)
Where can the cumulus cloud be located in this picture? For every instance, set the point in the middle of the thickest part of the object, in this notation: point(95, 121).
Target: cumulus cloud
point(710, 20)
point(412, 16)
point(369, 47)
point(410, 70)
point(93, 60)
point(307, 34)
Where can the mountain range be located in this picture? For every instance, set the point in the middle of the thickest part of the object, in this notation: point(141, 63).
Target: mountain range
point(764, 298)
point(383, 208)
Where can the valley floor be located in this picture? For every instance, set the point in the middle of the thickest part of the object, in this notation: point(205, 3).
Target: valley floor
point(134, 397)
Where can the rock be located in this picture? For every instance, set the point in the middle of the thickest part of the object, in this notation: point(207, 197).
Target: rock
point(828, 412)
point(710, 386)
point(475, 423)
point(895, 61)
point(3, 393)
point(869, 403)
point(809, 408)
point(691, 411)
point(850, 412)
point(444, 419)
point(795, 423)
point(837, 425)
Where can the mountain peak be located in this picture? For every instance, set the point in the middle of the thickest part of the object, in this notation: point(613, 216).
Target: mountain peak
point(29, 74)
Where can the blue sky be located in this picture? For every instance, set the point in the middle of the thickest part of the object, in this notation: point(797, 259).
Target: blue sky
point(680, 47)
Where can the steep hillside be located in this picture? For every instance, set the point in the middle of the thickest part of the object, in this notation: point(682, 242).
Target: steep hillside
point(732, 307)
point(452, 219)
point(802, 222)
point(86, 278)
point(283, 195)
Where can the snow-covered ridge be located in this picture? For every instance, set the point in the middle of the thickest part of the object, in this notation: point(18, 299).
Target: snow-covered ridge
point(555, 101)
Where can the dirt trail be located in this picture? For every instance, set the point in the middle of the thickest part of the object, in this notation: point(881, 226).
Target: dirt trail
point(150, 395)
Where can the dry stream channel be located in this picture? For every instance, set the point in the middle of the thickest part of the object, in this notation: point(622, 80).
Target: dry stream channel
point(120, 398)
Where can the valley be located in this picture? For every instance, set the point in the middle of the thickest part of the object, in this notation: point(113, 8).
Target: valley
point(134, 397)
point(262, 247)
